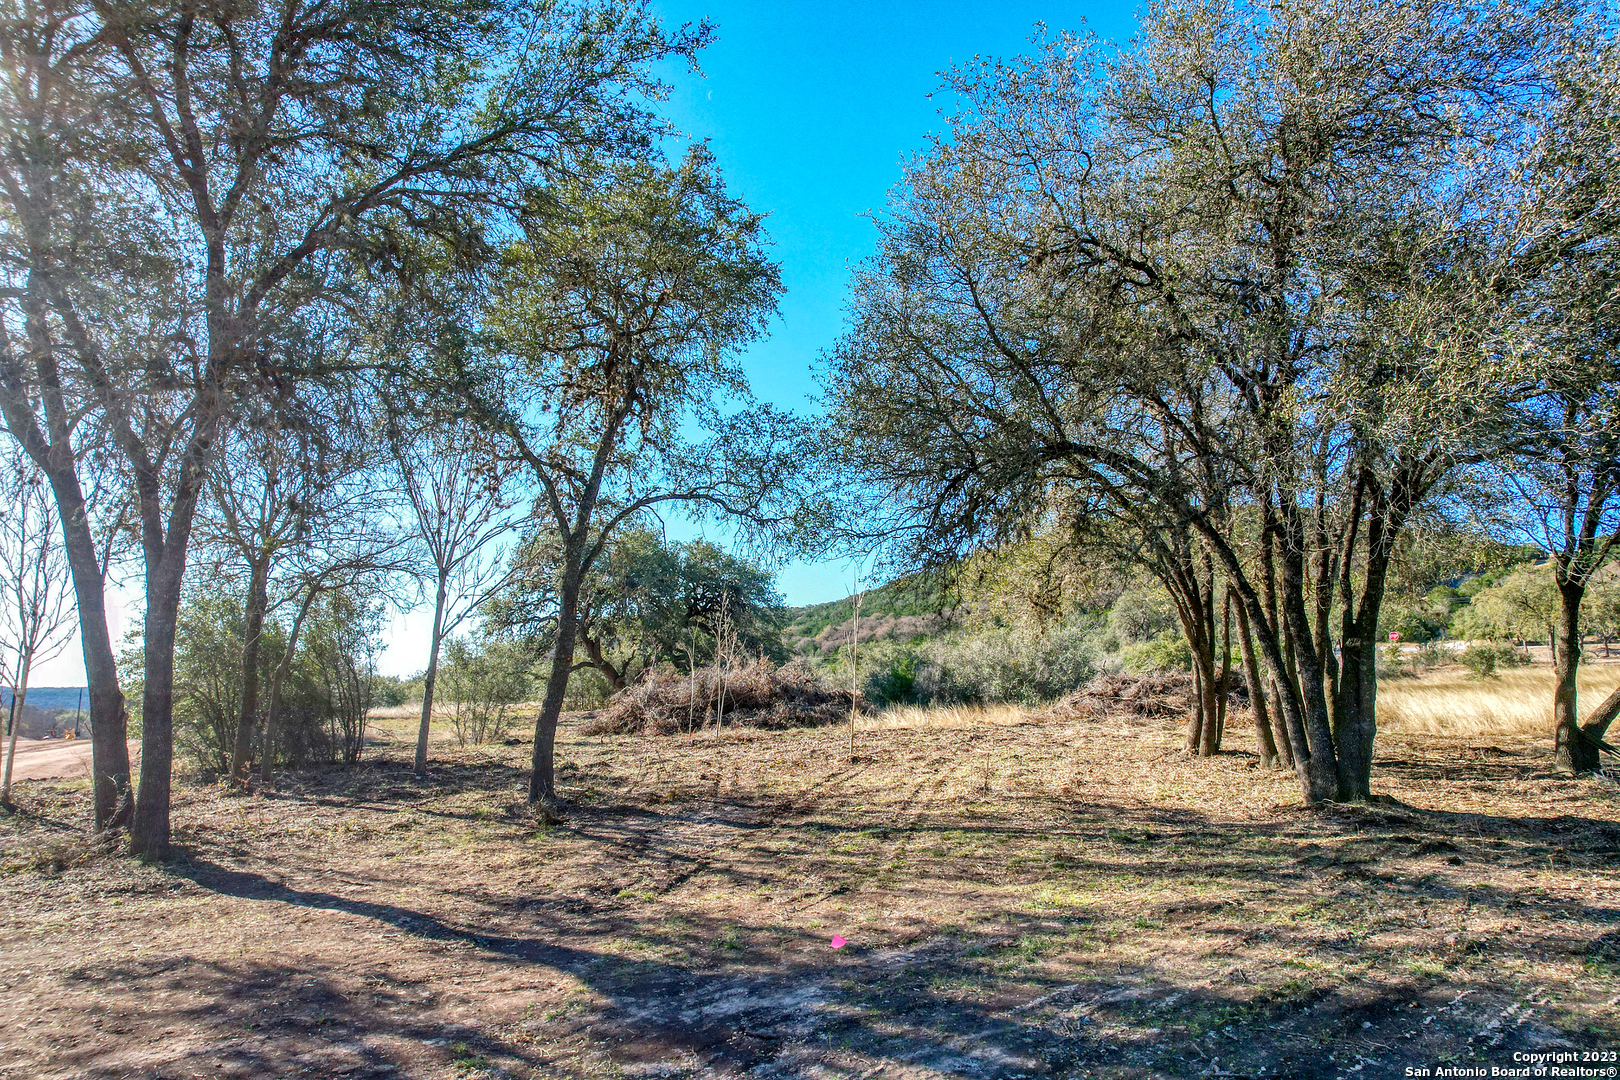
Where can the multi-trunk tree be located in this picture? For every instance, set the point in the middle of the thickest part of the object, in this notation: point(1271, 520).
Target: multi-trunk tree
point(1231, 272)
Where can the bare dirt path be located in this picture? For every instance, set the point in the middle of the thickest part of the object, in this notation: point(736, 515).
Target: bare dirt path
point(1060, 899)
point(52, 759)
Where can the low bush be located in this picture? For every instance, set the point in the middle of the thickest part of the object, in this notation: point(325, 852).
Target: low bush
point(1482, 658)
point(1169, 652)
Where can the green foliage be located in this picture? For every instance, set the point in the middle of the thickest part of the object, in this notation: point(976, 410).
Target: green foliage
point(326, 695)
point(391, 691)
point(1518, 604)
point(1432, 655)
point(1169, 652)
point(1142, 614)
point(481, 684)
point(1018, 665)
point(645, 602)
point(896, 684)
point(1482, 658)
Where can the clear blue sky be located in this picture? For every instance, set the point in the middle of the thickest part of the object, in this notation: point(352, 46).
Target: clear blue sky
point(810, 109)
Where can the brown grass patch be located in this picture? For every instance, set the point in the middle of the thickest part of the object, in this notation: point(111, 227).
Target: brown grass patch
point(1450, 701)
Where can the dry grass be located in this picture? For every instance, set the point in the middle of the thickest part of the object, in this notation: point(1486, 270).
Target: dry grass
point(943, 717)
point(1062, 899)
point(1452, 702)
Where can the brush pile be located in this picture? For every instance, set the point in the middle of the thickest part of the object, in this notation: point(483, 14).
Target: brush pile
point(759, 695)
point(1145, 697)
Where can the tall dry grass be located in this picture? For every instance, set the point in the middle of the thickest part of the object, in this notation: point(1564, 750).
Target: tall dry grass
point(1515, 702)
point(942, 716)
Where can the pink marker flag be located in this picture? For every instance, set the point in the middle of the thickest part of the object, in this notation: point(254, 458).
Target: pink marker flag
point(838, 942)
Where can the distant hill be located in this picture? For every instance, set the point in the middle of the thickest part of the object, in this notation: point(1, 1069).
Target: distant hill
point(901, 610)
point(48, 698)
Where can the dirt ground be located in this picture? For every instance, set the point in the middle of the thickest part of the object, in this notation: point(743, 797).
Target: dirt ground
point(1059, 899)
point(43, 759)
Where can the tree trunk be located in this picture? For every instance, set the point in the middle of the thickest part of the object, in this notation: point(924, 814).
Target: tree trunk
point(1597, 725)
point(432, 675)
point(616, 678)
point(19, 698)
point(1263, 736)
point(1195, 718)
point(1355, 726)
point(1314, 749)
point(258, 601)
point(1208, 690)
point(1223, 686)
point(542, 778)
point(1570, 750)
point(109, 723)
point(149, 832)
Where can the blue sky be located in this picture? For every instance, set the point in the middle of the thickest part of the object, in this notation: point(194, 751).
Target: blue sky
point(810, 109)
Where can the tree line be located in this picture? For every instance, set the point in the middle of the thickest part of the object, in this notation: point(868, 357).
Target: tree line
point(304, 300)
point(267, 265)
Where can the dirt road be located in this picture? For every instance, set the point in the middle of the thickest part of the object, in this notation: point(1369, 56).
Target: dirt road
point(52, 759)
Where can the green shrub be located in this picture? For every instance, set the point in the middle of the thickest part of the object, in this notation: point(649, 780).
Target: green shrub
point(1432, 655)
point(1393, 663)
point(1169, 652)
point(896, 684)
point(1482, 658)
point(996, 665)
point(481, 685)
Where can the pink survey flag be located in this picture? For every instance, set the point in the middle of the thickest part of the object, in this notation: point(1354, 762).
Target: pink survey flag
point(838, 942)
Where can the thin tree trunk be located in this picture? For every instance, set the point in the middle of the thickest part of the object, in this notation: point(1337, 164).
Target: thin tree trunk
point(542, 776)
point(109, 723)
point(1263, 736)
point(432, 675)
point(1570, 750)
point(272, 720)
point(19, 699)
point(258, 601)
point(1223, 688)
point(1208, 740)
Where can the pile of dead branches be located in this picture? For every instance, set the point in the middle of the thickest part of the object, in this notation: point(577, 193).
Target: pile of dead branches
point(1166, 693)
point(1145, 697)
point(759, 695)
